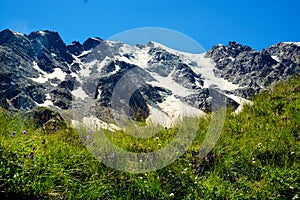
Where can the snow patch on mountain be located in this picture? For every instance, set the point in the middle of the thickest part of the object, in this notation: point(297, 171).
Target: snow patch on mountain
point(170, 84)
point(84, 53)
point(159, 45)
point(86, 69)
point(44, 77)
point(137, 56)
point(36, 67)
point(205, 67)
point(171, 110)
point(42, 33)
point(103, 63)
point(79, 93)
point(296, 43)
point(240, 101)
point(17, 33)
point(94, 123)
point(47, 103)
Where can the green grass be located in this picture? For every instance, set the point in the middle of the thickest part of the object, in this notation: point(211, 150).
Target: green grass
point(256, 157)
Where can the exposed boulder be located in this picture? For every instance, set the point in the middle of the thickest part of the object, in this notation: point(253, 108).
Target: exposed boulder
point(46, 119)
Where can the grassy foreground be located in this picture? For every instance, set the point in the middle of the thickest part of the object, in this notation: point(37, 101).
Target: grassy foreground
point(256, 157)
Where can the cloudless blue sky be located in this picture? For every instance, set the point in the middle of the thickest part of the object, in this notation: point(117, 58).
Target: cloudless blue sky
point(258, 23)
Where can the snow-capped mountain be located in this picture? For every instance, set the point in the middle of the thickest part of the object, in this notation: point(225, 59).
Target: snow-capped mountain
point(39, 69)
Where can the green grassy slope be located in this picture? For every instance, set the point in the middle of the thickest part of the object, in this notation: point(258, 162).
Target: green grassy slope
point(256, 157)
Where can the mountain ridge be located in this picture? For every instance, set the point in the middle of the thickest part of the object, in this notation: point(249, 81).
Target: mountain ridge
point(39, 69)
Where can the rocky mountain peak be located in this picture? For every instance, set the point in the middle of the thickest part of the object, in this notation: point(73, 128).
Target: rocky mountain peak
point(91, 43)
point(75, 48)
point(6, 35)
point(233, 49)
point(285, 51)
point(48, 41)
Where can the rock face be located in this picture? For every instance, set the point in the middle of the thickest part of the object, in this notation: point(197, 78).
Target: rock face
point(25, 57)
point(39, 69)
point(254, 71)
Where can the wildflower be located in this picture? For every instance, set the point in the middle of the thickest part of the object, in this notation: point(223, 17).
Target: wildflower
point(200, 169)
point(112, 155)
point(24, 132)
point(91, 131)
point(253, 160)
point(181, 149)
point(282, 119)
point(31, 155)
point(13, 134)
point(171, 153)
point(89, 136)
point(80, 156)
point(172, 194)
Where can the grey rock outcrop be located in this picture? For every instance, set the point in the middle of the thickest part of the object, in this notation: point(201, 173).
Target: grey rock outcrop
point(253, 70)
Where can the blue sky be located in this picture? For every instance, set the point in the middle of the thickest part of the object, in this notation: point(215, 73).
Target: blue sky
point(255, 23)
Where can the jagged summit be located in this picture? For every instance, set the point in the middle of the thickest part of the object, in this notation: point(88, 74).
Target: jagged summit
point(39, 69)
point(77, 48)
